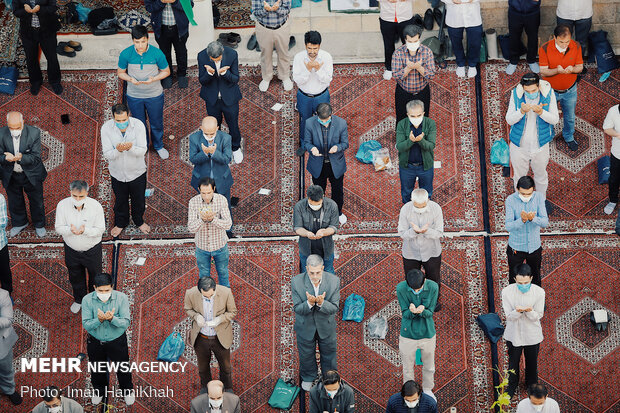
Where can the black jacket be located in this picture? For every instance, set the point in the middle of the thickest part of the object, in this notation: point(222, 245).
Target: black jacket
point(343, 401)
point(156, 8)
point(30, 148)
point(226, 84)
point(47, 16)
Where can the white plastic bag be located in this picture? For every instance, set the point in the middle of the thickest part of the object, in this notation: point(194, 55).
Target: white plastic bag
point(377, 327)
point(381, 159)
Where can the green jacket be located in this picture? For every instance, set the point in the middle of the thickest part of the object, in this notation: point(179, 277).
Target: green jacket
point(427, 144)
point(417, 326)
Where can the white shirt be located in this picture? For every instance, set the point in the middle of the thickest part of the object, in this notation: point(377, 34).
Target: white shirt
point(218, 65)
point(395, 12)
point(574, 9)
point(127, 165)
point(91, 216)
point(465, 14)
point(316, 292)
point(316, 81)
point(207, 313)
point(612, 121)
point(424, 246)
point(523, 329)
point(550, 406)
point(17, 167)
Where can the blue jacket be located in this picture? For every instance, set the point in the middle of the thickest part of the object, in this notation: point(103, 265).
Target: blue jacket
point(396, 404)
point(338, 135)
point(218, 161)
point(545, 130)
point(524, 6)
point(227, 84)
point(156, 8)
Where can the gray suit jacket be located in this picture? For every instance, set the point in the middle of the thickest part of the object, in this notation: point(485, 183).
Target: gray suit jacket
point(200, 404)
point(219, 161)
point(30, 148)
point(322, 319)
point(8, 336)
point(68, 406)
point(337, 136)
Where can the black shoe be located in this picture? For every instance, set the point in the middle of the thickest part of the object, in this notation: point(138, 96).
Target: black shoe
point(57, 88)
point(167, 82)
point(183, 82)
point(77, 46)
point(437, 307)
point(572, 145)
point(438, 14)
point(34, 89)
point(300, 151)
point(291, 42)
point(585, 70)
point(234, 37)
point(230, 234)
point(65, 50)
point(418, 20)
point(16, 398)
point(429, 20)
point(252, 43)
point(548, 207)
point(226, 41)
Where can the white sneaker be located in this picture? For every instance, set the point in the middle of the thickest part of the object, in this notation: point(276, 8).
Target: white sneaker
point(238, 156)
point(534, 67)
point(75, 308)
point(95, 400)
point(306, 385)
point(472, 72)
point(288, 84)
point(130, 399)
point(460, 71)
point(430, 393)
point(263, 85)
point(387, 74)
point(163, 153)
point(510, 69)
point(343, 219)
point(609, 208)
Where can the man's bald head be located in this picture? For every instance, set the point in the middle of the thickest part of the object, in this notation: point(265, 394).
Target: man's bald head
point(15, 120)
point(209, 126)
point(215, 389)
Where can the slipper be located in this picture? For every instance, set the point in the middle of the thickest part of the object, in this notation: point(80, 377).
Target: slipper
point(65, 51)
point(76, 46)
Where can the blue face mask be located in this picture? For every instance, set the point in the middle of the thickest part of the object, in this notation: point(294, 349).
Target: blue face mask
point(325, 122)
point(524, 287)
point(415, 292)
point(532, 96)
point(122, 125)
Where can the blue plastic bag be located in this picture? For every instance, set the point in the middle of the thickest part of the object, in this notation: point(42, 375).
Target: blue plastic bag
point(354, 308)
point(364, 153)
point(500, 153)
point(295, 3)
point(8, 79)
point(172, 348)
point(82, 12)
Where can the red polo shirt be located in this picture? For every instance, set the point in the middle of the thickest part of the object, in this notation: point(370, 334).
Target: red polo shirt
point(549, 56)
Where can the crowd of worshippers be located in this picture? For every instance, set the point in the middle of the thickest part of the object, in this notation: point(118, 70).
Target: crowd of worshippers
point(532, 114)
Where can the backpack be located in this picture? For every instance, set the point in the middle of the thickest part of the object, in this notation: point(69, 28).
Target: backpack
point(601, 51)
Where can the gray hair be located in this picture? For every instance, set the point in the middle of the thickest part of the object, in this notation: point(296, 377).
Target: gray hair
point(206, 283)
point(414, 104)
point(315, 193)
point(419, 196)
point(412, 30)
point(78, 185)
point(21, 116)
point(314, 260)
point(215, 49)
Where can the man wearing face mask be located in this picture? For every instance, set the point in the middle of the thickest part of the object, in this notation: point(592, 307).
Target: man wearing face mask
point(54, 402)
point(538, 401)
point(216, 400)
point(22, 171)
point(560, 62)
point(415, 142)
point(315, 220)
point(532, 112)
point(316, 296)
point(106, 317)
point(411, 399)
point(523, 304)
point(123, 143)
point(525, 216)
point(8, 338)
point(413, 65)
point(218, 73)
point(465, 15)
point(332, 395)
point(417, 298)
point(81, 223)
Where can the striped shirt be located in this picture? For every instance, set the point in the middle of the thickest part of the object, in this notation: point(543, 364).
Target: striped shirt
point(4, 219)
point(525, 236)
point(414, 82)
point(167, 16)
point(271, 19)
point(210, 236)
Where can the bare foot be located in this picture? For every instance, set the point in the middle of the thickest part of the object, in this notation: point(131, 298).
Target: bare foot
point(116, 231)
point(145, 228)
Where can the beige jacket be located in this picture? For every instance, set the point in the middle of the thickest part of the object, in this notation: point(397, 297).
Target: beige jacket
point(224, 306)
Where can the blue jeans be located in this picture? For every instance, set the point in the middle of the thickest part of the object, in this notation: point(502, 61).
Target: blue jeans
point(568, 101)
point(220, 257)
point(154, 108)
point(407, 180)
point(474, 40)
point(306, 106)
point(328, 263)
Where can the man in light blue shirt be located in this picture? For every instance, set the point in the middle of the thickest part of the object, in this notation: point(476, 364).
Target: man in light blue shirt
point(525, 216)
point(6, 278)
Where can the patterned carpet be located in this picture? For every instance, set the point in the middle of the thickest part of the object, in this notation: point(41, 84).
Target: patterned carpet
point(235, 14)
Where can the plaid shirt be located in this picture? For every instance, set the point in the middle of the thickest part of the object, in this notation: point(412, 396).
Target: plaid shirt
point(210, 236)
point(167, 16)
point(414, 82)
point(271, 18)
point(3, 221)
point(35, 18)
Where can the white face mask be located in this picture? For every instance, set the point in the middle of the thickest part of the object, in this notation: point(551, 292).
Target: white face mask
point(315, 207)
point(412, 404)
point(331, 393)
point(216, 403)
point(524, 198)
point(539, 408)
point(420, 210)
point(76, 203)
point(416, 121)
point(560, 49)
point(55, 409)
point(413, 46)
point(16, 132)
point(104, 296)
point(209, 138)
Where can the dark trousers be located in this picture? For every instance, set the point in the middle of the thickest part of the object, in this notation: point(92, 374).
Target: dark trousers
point(18, 184)
point(204, 347)
point(408, 176)
point(78, 263)
point(614, 178)
point(140, 108)
point(402, 97)
point(306, 106)
point(337, 185)
point(231, 114)
point(531, 365)
point(474, 40)
point(31, 41)
point(518, 22)
point(115, 350)
point(6, 277)
point(308, 369)
point(581, 29)
point(432, 268)
point(391, 31)
point(518, 257)
point(168, 38)
point(123, 191)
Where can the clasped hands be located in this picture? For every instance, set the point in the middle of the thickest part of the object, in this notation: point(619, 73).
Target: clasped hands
point(527, 216)
point(414, 138)
point(316, 152)
point(523, 309)
point(319, 234)
point(77, 231)
point(107, 316)
point(13, 158)
point(318, 300)
point(313, 64)
point(275, 6)
point(413, 66)
point(207, 216)
point(565, 70)
point(208, 150)
point(124, 146)
point(34, 9)
point(416, 310)
point(419, 230)
point(222, 70)
point(142, 82)
point(537, 109)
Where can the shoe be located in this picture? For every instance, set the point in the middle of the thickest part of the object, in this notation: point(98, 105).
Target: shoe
point(418, 21)
point(472, 72)
point(65, 50)
point(95, 400)
point(584, 71)
point(167, 82)
point(609, 208)
point(263, 85)
point(237, 156)
point(460, 71)
point(534, 67)
point(230, 234)
point(288, 84)
point(183, 82)
point(252, 43)
point(438, 14)
point(77, 46)
point(429, 19)
point(343, 219)
point(510, 69)
point(437, 307)
point(430, 393)
point(291, 42)
point(387, 74)
point(16, 230)
point(300, 151)
point(41, 232)
point(234, 37)
point(227, 41)
point(130, 399)
point(306, 385)
point(57, 88)
point(34, 89)
point(16, 398)
point(163, 153)
point(572, 145)
point(548, 207)
point(75, 308)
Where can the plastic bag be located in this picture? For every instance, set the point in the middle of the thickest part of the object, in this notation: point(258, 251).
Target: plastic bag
point(172, 348)
point(500, 153)
point(354, 308)
point(364, 153)
point(82, 12)
point(378, 327)
point(381, 159)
